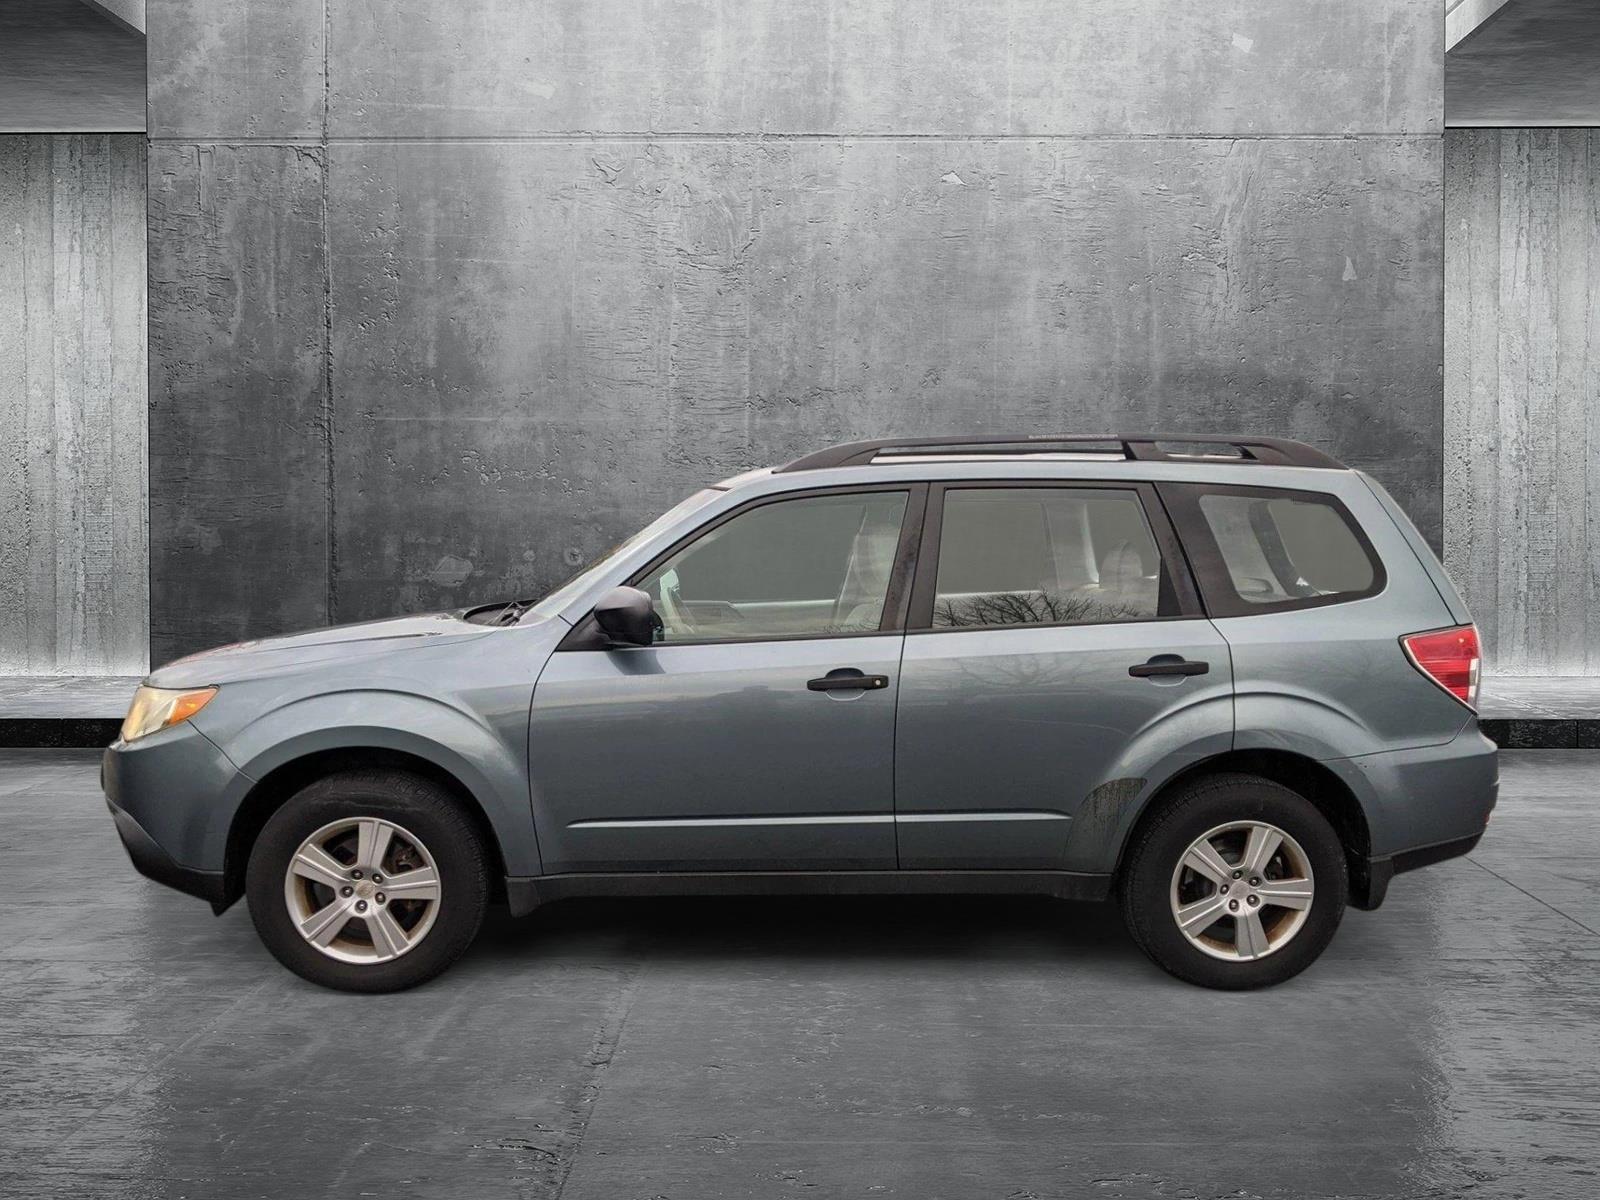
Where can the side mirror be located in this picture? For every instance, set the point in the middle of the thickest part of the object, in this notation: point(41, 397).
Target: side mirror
point(626, 616)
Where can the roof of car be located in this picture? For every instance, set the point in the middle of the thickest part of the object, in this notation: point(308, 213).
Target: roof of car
point(1140, 447)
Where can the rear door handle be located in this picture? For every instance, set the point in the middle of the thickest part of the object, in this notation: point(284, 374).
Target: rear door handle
point(1164, 664)
point(847, 679)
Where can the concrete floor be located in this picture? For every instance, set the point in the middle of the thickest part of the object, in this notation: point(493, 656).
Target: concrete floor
point(1446, 1046)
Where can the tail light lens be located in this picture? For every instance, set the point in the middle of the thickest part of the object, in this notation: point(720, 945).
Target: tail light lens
point(1449, 657)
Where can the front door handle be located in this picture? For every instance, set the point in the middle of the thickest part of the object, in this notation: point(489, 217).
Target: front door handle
point(1168, 664)
point(847, 679)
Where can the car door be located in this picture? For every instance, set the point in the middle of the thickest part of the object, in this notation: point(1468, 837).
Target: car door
point(1055, 642)
point(758, 733)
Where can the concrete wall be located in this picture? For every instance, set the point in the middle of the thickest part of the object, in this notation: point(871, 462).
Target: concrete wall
point(73, 553)
point(1522, 393)
point(446, 299)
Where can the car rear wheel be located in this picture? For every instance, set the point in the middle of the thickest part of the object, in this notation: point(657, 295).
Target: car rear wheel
point(368, 881)
point(1237, 882)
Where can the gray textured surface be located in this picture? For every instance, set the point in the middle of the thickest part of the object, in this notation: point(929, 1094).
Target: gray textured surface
point(571, 261)
point(1532, 62)
point(1522, 357)
point(238, 398)
point(73, 551)
point(1463, 18)
point(1443, 1046)
point(67, 68)
point(104, 696)
point(129, 12)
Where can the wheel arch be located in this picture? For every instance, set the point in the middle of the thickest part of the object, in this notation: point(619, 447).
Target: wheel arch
point(274, 789)
point(1300, 774)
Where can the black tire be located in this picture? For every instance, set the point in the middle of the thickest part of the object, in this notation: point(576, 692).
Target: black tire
point(1147, 878)
point(418, 806)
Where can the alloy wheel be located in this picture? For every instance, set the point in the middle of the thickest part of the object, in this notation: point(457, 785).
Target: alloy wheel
point(1242, 891)
point(362, 890)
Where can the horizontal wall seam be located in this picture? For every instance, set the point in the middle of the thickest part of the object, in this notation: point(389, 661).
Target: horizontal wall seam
point(673, 136)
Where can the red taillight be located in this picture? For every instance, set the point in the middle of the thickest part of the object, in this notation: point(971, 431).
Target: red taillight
point(1450, 658)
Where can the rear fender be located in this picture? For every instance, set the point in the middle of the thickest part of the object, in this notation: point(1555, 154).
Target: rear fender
point(1159, 752)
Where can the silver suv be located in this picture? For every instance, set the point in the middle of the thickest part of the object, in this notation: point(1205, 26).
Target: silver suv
point(1223, 681)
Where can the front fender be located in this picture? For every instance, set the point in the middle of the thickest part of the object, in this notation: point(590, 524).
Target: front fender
point(452, 739)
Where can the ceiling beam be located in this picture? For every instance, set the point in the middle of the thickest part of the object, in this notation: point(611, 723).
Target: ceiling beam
point(1465, 17)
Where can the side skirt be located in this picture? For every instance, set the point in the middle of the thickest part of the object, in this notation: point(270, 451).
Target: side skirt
point(525, 894)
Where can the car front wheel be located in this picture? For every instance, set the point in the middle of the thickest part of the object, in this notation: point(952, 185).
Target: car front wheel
point(1237, 882)
point(368, 881)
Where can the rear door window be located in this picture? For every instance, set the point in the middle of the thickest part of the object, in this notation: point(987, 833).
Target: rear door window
point(1268, 549)
point(1047, 556)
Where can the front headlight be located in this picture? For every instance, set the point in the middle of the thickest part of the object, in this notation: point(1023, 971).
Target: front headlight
point(156, 708)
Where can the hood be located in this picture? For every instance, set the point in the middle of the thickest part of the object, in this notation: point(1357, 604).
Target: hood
point(294, 651)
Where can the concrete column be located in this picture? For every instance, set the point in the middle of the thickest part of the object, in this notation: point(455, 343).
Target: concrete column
point(73, 550)
point(1522, 393)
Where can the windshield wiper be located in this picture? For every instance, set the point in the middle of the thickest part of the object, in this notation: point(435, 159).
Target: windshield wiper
point(512, 613)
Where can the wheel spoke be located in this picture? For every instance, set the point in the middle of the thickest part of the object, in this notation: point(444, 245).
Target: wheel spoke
point(1286, 893)
point(316, 864)
point(421, 883)
point(1250, 940)
point(387, 936)
point(1263, 843)
point(322, 926)
point(1196, 918)
point(372, 844)
point(1203, 858)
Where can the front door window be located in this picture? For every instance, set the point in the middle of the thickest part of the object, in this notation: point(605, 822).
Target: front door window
point(808, 567)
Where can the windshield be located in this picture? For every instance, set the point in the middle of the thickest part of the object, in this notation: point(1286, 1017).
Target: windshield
point(562, 596)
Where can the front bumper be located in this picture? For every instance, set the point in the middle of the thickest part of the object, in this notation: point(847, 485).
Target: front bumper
point(166, 794)
point(151, 861)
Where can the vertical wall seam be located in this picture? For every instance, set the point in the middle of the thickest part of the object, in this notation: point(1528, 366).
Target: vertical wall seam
point(331, 561)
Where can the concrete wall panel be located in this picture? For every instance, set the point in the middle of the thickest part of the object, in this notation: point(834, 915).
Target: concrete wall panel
point(243, 70)
point(1092, 67)
point(577, 258)
point(73, 549)
point(537, 344)
point(1522, 393)
point(239, 481)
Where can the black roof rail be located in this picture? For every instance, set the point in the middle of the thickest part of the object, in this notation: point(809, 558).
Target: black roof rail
point(1143, 447)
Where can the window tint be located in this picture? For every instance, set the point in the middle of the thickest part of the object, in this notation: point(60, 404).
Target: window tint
point(1045, 556)
point(814, 565)
point(1287, 549)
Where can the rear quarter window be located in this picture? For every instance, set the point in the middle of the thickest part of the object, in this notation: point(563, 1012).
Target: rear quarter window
point(1270, 550)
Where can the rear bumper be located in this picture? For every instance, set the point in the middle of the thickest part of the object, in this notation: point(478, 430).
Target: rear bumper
point(1381, 870)
point(1422, 805)
point(151, 861)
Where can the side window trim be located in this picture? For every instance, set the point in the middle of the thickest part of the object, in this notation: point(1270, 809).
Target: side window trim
point(1210, 568)
point(1186, 596)
point(583, 635)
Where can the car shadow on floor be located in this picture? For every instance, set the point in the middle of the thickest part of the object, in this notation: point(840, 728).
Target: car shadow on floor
point(801, 928)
